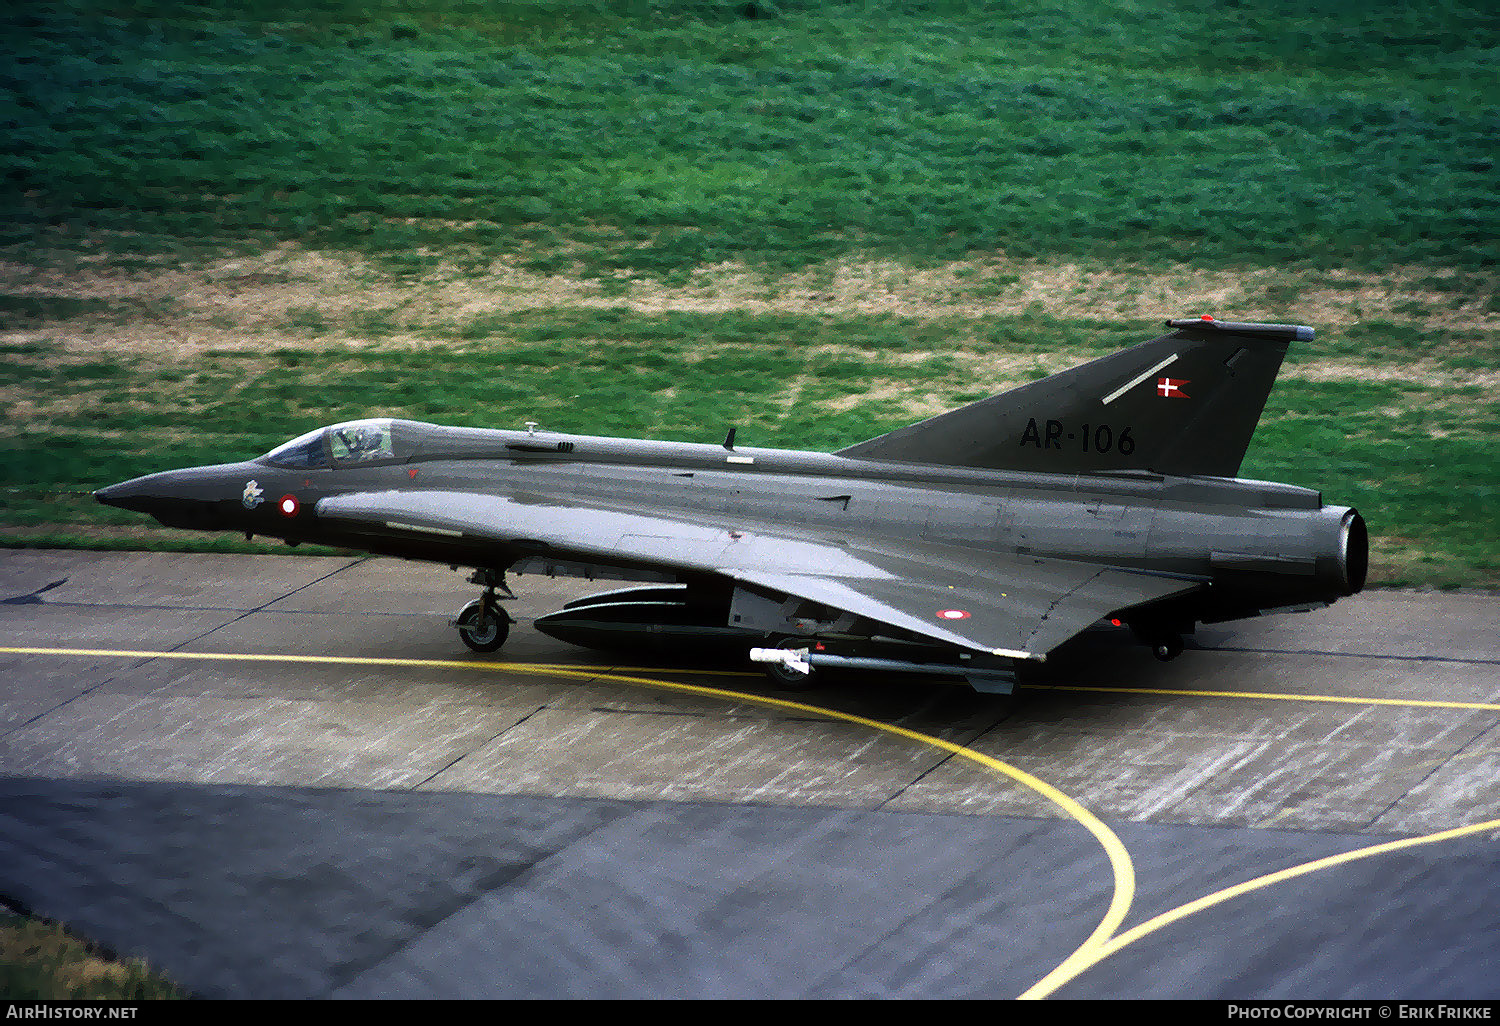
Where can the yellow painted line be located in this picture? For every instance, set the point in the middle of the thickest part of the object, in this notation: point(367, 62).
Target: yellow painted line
point(252, 657)
point(1058, 977)
point(747, 674)
point(1119, 858)
point(1419, 703)
point(1114, 848)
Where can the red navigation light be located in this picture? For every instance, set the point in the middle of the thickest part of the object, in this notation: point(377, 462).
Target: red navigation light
point(1116, 622)
point(1206, 317)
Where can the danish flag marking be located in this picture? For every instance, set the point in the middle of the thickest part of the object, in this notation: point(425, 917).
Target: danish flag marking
point(1171, 388)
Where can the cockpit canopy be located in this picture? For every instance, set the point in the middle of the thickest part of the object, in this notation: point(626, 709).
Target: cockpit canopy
point(343, 445)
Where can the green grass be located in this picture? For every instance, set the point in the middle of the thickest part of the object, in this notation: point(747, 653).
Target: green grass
point(1416, 456)
point(656, 137)
point(630, 140)
point(1418, 461)
point(43, 961)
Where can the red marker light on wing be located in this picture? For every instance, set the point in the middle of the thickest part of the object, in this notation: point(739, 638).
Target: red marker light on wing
point(288, 505)
point(952, 614)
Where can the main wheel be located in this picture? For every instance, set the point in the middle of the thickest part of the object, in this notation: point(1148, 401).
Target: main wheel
point(481, 632)
point(786, 678)
point(1168, 648)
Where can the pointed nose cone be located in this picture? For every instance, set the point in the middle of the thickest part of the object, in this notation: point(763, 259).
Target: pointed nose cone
point(150, 493)
point(200, 497)
point(126, 495)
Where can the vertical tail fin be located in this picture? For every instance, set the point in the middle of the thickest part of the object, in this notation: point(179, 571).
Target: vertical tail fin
point(1184, 403)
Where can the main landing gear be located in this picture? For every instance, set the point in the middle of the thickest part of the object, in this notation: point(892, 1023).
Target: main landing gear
point(482, 624)
point(784, 674)
point(1164, 642)
point(1164, 638)
point(1167, 648)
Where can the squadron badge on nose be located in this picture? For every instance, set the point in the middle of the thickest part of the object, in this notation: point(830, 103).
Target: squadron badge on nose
point(252, 495)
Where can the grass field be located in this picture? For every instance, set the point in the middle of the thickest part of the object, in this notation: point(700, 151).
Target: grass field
point(659, 137)
point(816, 221)
point(42, 961)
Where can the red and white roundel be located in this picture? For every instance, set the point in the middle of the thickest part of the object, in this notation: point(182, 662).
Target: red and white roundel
point(288, 505)
point(953, 614)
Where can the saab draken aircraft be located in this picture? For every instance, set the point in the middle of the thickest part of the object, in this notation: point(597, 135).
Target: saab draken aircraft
point(968, 545)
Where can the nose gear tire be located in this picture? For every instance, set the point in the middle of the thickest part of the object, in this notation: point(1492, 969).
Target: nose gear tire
point(481, 629)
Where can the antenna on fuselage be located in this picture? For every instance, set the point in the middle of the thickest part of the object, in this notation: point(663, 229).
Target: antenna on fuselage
point(729, 439)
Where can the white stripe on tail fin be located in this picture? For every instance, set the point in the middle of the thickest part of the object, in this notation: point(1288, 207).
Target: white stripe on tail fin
point(1120, 412)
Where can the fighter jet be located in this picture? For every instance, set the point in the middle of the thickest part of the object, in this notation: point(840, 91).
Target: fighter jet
point(968, 546)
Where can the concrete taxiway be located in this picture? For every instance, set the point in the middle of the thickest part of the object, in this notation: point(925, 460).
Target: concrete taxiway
point(284, 776)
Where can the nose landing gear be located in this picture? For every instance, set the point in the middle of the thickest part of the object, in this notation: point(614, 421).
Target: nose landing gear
point(482, 624)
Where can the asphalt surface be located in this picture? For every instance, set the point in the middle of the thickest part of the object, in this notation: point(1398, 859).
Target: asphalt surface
point(451, 825)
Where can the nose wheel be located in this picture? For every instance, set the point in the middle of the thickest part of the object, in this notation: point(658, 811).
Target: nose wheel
point(482, 629)
point(482, 625)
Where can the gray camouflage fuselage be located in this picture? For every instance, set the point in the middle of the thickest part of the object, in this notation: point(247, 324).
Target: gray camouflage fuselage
point(1259, 544)
point(1057, 515)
